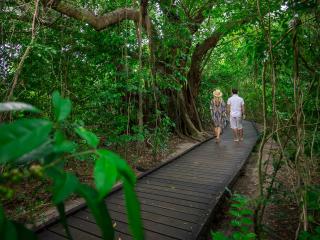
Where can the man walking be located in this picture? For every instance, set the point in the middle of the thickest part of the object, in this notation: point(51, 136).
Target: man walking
point(236, 113)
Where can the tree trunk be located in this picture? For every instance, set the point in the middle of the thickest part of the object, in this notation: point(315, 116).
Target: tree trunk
point(184, 123)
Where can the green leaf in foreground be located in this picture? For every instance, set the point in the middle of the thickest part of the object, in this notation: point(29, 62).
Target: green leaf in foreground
point(133, 210)
point(63, 219)
point(98, 209)
point(62, 145)
point(64, 184)
point(62, 106)
point(9, 231)
point(91, 139)
point(17, 106)
point(105, 175)
point(122, 167)
point(21, 137)
point(132, 203)
point(24, 233)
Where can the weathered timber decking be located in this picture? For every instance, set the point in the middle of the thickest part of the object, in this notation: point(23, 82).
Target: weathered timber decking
point(177, 199)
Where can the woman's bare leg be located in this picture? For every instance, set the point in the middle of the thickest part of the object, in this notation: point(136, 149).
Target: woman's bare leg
point(218, 132)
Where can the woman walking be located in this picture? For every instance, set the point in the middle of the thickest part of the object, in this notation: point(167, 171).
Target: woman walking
point(218, 113)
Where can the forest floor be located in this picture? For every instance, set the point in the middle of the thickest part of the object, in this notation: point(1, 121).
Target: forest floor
point(31, 203)
point(281, 218)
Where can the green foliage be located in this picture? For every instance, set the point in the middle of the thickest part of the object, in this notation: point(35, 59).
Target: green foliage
point(22, 137)
point(26, 138)
point(104, 183)
point(160, 137)
point(310, 236)
point(13, 231)
point(241, 220)
point(91, 139)
point(62, 107)
point(313, 197)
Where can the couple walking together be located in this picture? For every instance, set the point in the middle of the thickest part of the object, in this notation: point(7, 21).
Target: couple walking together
point(234, 110)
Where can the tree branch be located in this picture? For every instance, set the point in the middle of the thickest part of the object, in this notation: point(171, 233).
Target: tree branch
point(97, 22)
point(194, 74)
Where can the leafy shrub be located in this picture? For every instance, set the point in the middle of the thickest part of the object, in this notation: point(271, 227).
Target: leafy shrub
point(159, 138)
point(39, 148)
point(241, 221)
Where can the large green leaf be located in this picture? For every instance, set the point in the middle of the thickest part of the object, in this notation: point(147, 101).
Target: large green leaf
point(62, 106)
point(17, 106)
point(61, 145)
point(64, 184)
point(98, 209)
point(64, 189)
point(24, 233)
point(21, 137)
point(2, 219)
point(9, 232)
point(133, 210)
point(132, 203)
point(7, 228)
point(91, 139)
point(129, 180)
point(122, 167)
point(38, 153)
point(63, 219)
point(105, 175)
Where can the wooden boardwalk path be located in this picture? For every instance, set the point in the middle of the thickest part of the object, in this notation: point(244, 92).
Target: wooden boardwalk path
point(177, 199)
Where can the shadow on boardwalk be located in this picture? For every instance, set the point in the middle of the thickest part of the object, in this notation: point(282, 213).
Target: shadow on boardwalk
point(177, 199)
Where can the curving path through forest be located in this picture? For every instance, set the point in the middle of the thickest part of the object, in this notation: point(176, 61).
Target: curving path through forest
point(178, 199)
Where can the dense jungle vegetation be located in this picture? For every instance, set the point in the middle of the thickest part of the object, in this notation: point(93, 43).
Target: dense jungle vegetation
point(129, 75)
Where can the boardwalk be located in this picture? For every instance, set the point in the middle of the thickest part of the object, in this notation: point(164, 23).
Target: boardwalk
point(177, 200)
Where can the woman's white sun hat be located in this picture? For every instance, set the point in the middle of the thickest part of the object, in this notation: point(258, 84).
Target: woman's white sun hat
point(217, 93)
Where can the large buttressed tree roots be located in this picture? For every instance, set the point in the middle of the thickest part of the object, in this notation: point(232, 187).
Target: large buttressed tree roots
point(180, 35)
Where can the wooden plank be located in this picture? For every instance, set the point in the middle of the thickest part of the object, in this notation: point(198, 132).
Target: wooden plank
point(164, 204)
point(165, 220)
point(173, 193)
point(215, 168)
point(174, 199)
point(90, 226)
point(159, 210)
point(175, 189)
point(191, 171)
point(150, 225)
point(200, 182)
point(47, 235)
point(203, 171)
point(204, 187)
point(194, 176)
point(83, 230)
point(209, 164)
point(183, 187)
point(76, 233)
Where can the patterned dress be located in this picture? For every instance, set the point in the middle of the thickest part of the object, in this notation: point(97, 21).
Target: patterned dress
point(218, 113)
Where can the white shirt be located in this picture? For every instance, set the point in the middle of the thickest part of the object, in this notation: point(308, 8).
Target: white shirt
point(235, 103)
